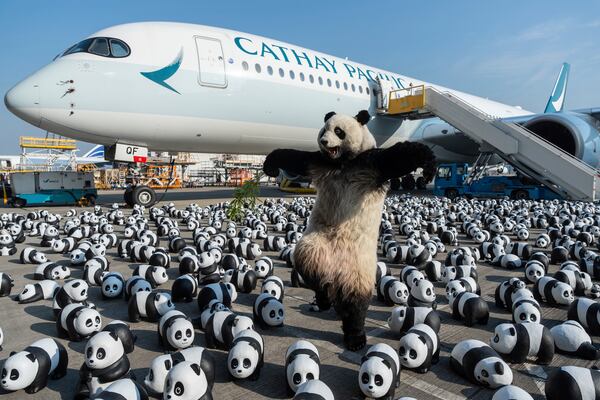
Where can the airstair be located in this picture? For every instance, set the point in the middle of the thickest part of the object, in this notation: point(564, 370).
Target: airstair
point(523, 149)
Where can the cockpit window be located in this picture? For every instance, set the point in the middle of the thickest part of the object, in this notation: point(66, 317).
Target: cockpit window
point(101, 46)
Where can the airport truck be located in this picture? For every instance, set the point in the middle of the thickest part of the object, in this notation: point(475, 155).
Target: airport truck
point(51, 188)
point(453, 180)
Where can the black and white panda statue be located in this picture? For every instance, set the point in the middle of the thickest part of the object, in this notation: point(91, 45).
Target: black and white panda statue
point(587, 313)
point(123, 389)
point(517, 342)
point(187, 380)
point(6, 284)
point(122, 330)
point(184, 288)
point(274, 286)
point(94, 273)
point(248, 250)
point(534, 270)
point(175, 331)
point(136, 284)
point(244, 279)
point(155, 275)
point(105, 362)
point(302, 363)
point(222, 327)
point(44, 290)
point(422, 294)
point(433, 270)
point(379, 372)
point(469, 307)
point(51, 270)
point(581, 282)
point(246, 355)
point(113, 285)
point(573, 383)
point(480, 364)
point(314, 389)
point(214, 306)
point(570, 338)
point(263, 267)
point(223, 292)
point(419, 348)
point(456, 286)
point(7, 243)
point(154, 380)
point(77, 322)
point(511, 392)
point(553, 292)
point(508, 261)
point(391, 291)
point(410, 275)
point(526, 309)
point(451, 272)
point(149, 306)
point(30, 255)
point(268, 311)
point(505, 291)
point(74, 291)
point(403, 318)
point(30, 369)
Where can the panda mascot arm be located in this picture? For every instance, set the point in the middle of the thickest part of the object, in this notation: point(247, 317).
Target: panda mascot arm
point(403, 158)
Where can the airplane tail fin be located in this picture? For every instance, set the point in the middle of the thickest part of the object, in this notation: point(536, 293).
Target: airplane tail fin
point(557, 98)
point(96, 152)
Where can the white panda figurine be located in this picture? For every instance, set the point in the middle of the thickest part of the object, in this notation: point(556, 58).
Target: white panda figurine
point(571, 338)
point(553, 292)
point(245, 358)
point(105, 362)
point(480, 364)
point(456, 286)
point(419, 348)
point(274, 286)
point(123, 389)
point(534, 270)
point(422, 294)
point(6, 284)
point(587, 313)
point(223, 292)
point(214, 306)
point(44, 290)
point(155, 275)
point(410, 275)
point(7, 243)
point(187, 380)
point(184, 288)
point(94, 273)
point(403, 318)
point(136, 284)
point(222, 326)
point(263, 267)
point(77, 322)
point(451, 272)
point(573, 383)
point(508, 261)
point(379, 372)
point(30, 369)
point(579, 281)
point(74, 291)
point(149, 305)
point(244, 279)
point(154, 380)
point(314, 389)
point(433, 270)
point(51, 270)
point(302, 363)
point(391, 291)
point(175, 331)
point(112, 286)
point(248, 250)
point(31, 255)
point(517, 342)
point(510, 392)
point(542, 241)
point(268, 312)
point(469, 307)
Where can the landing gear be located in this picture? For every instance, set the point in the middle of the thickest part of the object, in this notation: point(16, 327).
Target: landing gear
point(408, 182)
point(140, 195)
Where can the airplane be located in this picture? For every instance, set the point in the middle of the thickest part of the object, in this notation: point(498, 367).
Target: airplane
point(93, 156)
point(169, 86)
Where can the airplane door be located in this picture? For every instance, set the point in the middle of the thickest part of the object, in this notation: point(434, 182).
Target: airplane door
point(211, 62)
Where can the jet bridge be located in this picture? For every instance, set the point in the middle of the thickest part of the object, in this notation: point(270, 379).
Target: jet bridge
point(527, 152)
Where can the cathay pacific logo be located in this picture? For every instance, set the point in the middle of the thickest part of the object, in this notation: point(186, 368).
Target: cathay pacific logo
point(161, 75)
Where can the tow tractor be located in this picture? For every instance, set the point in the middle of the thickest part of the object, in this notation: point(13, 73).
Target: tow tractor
point(458, 179)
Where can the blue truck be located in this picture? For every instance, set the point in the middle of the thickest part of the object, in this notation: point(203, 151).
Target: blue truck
point(451, 181)
point(56, 188)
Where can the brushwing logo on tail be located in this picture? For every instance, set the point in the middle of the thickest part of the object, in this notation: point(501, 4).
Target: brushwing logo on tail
point(557, 98)
point(161, 75)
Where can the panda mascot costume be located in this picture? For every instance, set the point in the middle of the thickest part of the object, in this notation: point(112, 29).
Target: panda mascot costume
point(337, 255)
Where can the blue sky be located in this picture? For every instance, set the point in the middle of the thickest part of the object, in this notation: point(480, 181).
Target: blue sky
point(509, 51)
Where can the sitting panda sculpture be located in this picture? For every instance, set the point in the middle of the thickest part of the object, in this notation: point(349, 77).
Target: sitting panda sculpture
point(175, 331)
point(302, 363)
point(419, 348)
point(336, 255)
point(246, 355)
point(379, 372)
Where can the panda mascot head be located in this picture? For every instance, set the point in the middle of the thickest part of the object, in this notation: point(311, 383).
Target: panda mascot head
point(344, 137)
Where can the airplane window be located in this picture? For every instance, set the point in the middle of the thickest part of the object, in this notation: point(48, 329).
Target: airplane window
point(118, 49)
point(99, 47)
point(328, 82)
point(281, 72)
point(302, 76)
point(311, 78)
point(353, 88)
point(367, 90)
point(292, 74)
point(270, 70)
point(337, 84)
point(345, 86)
point(360, 89)
point(245, 66)
point(79, 47)
point(257, 67)
point(320, 81)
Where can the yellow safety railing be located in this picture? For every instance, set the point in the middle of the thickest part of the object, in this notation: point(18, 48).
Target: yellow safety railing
point(407, 100)
point(28, 142)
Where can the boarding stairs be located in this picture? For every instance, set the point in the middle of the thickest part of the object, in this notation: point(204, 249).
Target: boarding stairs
point(523, 149)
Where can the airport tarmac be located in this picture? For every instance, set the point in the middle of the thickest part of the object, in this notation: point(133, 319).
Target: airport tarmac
point(23, 324)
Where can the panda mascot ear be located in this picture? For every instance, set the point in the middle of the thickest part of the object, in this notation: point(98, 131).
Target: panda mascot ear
point(363, 117)
point(329, 115)
point(196, 368)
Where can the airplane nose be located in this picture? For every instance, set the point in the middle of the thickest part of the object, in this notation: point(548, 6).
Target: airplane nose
point(23, 100)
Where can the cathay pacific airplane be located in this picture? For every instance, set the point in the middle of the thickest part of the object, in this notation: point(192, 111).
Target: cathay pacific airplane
point(181, 87)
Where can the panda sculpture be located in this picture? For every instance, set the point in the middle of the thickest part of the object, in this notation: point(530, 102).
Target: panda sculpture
point(94, 273)
point(452, 272)
point(553, 292)
point(175, 331)
point(525, 309)
point(74, 291)
point(113, 285)
point(480, 364)
point(422, 294)
point(30, 369)
point(469, 307)
point(184, 288)
point(123, 389)
point(244, 279)
point(302, 363)
point(136, 284)
point(77, 322)
point(150, 306)
point(155, 275)
point(335, 259)
point(274, 286)
point(517, 342)
point(30, 255)
point(508, 261)
point(246, 355)
point(587, 313)
point(403, 318)
point(44, 290)
point(6, 284)
point(124, 333)
point(214, 306)
point(314, 389)
point(581, 282)
point(457, 286)
point(503, 295)
point(410, 275)
point(268, 311)
point(419, 348)
point(379, 372)
point(187, 380)
point(222, 326)
point(263, 267)
point(223, 292)
point(392, 291)
point(7, 243)
point(573, 383)
point(571, 338)
point(51, 270)
point(510, 392)
point(534, 270)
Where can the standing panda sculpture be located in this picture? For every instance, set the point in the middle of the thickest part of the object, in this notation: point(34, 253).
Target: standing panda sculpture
point(403, 318)
point(480, 364)
point(517, 342)
point(337, 254)
point(149, 306)
point(268, 311)
point(302, 363)
point(175, 331)
point(246, 356)
point(187, 380)
point(379, 372)
point(587, 313)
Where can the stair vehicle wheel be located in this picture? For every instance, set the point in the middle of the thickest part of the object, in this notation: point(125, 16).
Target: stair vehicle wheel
point(421, 183)
point(143, 196)
point(451, 193)
point(520, 195)
point(395, 184)
point(408, 182)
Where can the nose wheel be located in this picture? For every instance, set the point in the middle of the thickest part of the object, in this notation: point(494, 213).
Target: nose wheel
point(140, 195)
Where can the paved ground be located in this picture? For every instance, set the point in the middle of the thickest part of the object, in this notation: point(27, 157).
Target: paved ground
point(23, 324)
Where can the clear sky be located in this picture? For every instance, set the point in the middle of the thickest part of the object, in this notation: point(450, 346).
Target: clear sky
point(509, 51)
